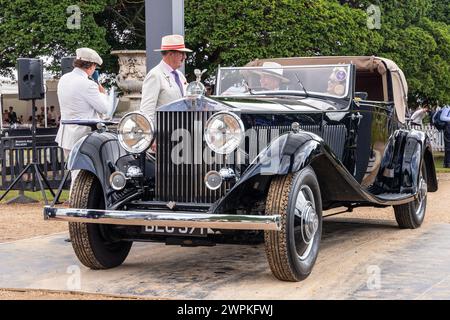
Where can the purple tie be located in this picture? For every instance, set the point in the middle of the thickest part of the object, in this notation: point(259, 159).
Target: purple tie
point(177, 80)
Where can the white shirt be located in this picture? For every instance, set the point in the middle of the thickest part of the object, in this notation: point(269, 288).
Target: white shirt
point(79, 99)
point(418, 116)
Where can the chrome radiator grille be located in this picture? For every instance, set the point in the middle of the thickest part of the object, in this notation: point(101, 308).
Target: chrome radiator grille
point(182, 151)
point(180, 163)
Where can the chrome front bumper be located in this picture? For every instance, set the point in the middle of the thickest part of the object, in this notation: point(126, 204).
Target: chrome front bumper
point(164, 219)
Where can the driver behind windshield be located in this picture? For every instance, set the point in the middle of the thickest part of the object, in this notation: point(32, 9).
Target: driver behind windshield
point(271, 79)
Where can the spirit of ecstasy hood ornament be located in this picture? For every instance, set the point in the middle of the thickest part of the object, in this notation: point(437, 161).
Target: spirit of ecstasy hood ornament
point(199, 74)
point(196, 88)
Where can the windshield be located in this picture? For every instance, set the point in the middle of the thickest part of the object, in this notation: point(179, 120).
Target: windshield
point(274, 79)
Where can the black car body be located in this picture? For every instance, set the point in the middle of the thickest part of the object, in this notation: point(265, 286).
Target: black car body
point(304, 150)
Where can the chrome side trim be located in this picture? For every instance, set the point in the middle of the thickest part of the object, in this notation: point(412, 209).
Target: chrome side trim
point(165, 219)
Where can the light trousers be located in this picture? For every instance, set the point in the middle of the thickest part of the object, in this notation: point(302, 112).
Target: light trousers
point(73, 173)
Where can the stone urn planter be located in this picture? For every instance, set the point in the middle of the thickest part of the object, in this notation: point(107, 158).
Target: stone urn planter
point(131, 76)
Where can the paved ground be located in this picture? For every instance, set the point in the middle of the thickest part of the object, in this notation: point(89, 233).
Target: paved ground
point(357, 260)
point(363, 255)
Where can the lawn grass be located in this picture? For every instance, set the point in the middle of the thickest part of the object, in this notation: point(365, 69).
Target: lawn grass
point(439, 163)
point(35, 195)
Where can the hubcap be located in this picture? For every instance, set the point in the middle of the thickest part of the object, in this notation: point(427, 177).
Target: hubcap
point(306, 222)
point(421, 197)
point(310, 222)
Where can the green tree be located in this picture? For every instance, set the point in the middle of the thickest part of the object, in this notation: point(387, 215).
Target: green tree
point(440, 11)
point(40, 28)
point(125, 22)
point(416, 35)
point(236, 31)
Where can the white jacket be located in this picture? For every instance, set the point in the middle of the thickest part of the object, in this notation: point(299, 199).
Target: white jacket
point(160, 88)
point(79, 99)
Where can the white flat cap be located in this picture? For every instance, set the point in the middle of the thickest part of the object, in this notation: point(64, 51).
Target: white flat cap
point(87, 54)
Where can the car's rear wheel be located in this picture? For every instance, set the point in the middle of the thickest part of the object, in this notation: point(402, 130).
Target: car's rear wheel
point(94, 244)
point(292, 251)
point(412, 214)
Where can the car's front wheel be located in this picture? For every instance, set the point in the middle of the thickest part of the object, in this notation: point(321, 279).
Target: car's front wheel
point(94, 244)
point(292, 251)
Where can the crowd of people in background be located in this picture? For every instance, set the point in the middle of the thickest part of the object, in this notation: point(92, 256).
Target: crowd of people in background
point(10, 117)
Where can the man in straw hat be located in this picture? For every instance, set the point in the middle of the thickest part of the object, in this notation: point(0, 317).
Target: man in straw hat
point(164, 83)
point(80, 98)
point(272, 77)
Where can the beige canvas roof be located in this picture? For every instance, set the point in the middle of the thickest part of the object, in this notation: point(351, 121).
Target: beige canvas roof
point(362, 63)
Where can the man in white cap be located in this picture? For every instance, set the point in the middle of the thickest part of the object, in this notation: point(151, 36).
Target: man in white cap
point(164, 83)
point(80, 98)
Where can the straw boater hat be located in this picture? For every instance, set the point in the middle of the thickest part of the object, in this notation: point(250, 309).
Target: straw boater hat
point(173, 42)
point(275, 70)
point(89, 55)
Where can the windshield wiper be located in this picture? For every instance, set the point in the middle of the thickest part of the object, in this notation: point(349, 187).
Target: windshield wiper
point(247, 86)
point(299, 81)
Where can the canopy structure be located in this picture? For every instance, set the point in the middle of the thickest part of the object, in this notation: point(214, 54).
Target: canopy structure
point(7, 87)
point(9, 95)
point(363, 64)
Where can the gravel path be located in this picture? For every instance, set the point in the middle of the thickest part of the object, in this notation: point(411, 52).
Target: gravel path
point(357, 245)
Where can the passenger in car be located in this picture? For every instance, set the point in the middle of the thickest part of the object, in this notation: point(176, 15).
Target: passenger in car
point(336, 82)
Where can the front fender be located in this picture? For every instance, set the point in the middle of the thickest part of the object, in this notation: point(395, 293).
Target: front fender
point(98, 154)
point(289, 153)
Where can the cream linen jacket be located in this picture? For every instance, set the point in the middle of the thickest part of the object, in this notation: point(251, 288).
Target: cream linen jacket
point(160, 88)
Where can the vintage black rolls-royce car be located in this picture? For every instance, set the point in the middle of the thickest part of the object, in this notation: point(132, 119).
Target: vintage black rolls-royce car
point(279, 142)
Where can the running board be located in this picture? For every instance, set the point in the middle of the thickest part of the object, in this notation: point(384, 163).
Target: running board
point(389, 199)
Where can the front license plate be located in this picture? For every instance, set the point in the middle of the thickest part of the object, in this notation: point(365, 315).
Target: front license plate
point(177, 231)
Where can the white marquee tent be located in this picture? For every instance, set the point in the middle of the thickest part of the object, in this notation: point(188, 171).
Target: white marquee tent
point(9, 96)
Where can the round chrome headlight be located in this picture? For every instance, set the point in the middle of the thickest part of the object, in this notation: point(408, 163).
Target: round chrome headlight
point(135, 132)
point(224, 132)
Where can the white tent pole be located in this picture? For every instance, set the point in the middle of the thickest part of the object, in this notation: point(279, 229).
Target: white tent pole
point(45, 102)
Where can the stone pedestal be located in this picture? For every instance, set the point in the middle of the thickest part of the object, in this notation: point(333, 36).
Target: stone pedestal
point(131, 76)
